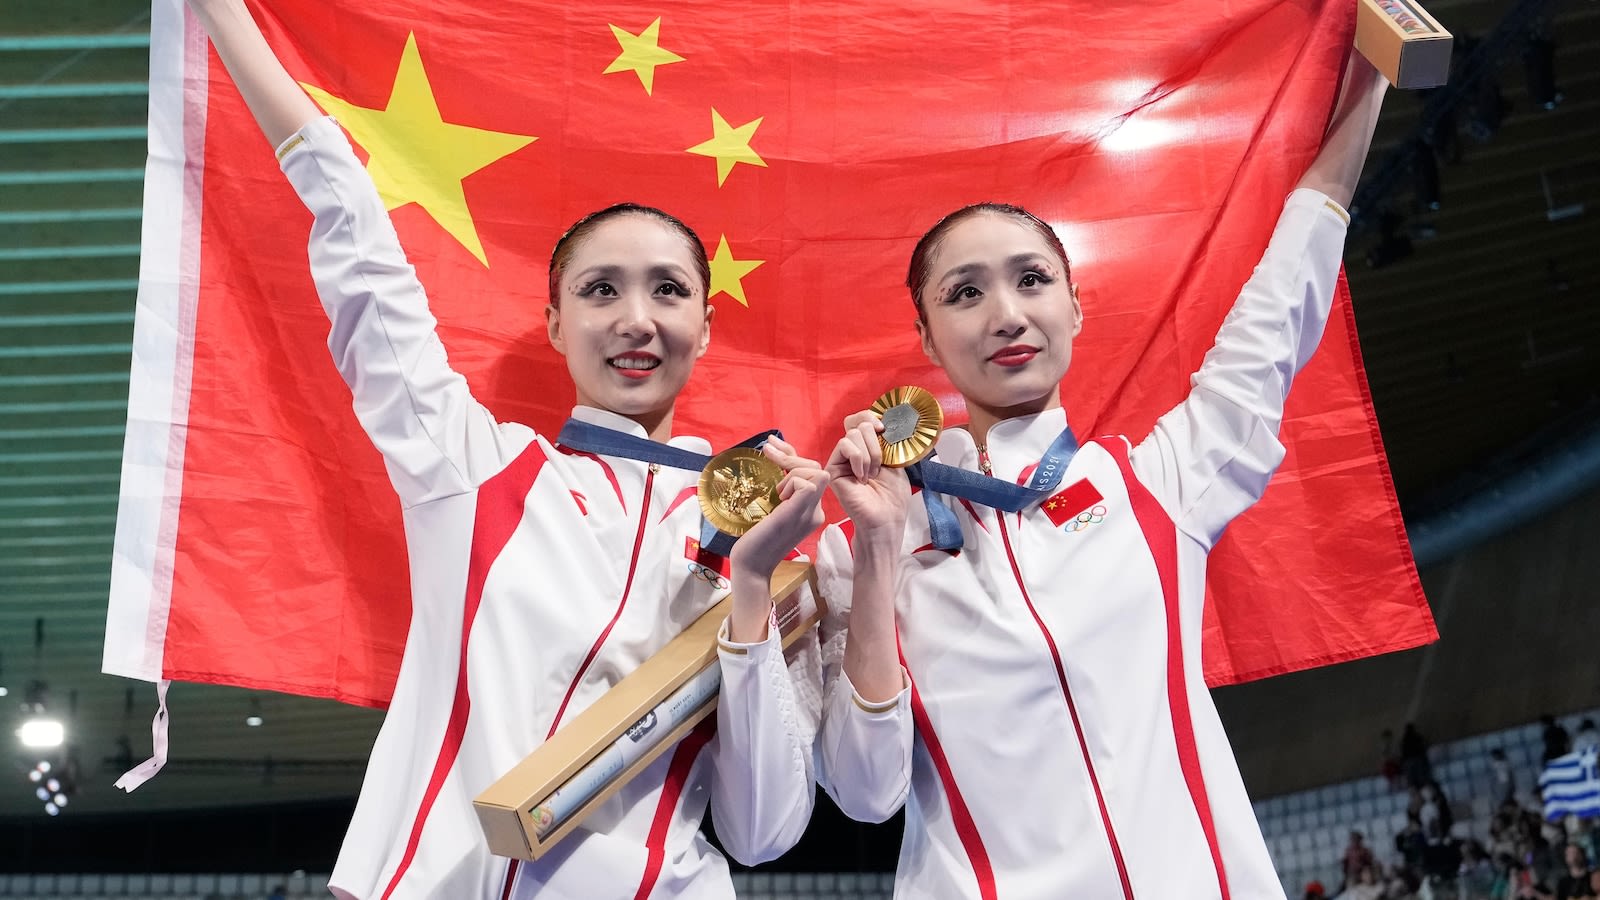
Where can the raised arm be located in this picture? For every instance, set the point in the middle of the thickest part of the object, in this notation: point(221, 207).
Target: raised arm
point(278, 104)
point(1210, 458)
point(435, 439)
point(866, 743)
point(768, 710)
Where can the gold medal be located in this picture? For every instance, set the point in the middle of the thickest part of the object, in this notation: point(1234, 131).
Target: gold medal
point(912, 421)
point(738, 488)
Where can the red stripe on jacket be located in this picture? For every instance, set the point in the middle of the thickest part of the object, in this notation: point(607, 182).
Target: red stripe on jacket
point(677, 777)
point(499, 510)
point(961, 817)
point(1161, 533)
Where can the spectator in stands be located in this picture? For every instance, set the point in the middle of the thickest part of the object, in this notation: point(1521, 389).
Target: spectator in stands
point(1524, 884)
point(1365, 886)
point(1414, 756)
point(1400, 880)
point(1315, 891)
point(1409, 843)
point(1502, 834)
point(1389, 759)
point(1505, 780)
point(1447, 816)
point(1357, 856)
point(1556, 741)
point(1582, 832)
point(1577, 883)
point(1428, 811)
point(1586, 737)
point(1441, 854)
point(1477, 872)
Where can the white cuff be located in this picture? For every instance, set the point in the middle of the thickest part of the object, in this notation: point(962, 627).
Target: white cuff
point(885, 708)
point(730, 648)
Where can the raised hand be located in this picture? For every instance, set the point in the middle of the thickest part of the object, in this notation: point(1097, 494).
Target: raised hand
point(761, 548)
point(872, 494)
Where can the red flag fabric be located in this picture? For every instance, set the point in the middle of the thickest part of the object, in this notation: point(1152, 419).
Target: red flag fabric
point(259, 543)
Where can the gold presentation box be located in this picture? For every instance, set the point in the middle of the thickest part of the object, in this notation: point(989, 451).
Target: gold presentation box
point(1403, 42)
point(544, 797)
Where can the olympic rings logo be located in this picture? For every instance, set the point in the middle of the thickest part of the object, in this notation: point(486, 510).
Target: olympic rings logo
point(708, 575)
point(1086, 518)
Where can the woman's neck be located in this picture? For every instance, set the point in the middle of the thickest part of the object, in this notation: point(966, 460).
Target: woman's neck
point(981, 418)
point(657, 424)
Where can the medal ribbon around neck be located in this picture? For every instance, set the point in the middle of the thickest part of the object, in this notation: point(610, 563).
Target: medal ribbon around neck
point(912, 421)
point(598, 439)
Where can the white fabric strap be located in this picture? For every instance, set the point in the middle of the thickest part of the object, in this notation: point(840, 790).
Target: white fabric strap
point(147, 770)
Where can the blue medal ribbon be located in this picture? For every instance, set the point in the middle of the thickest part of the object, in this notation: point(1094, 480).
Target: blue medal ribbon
point(936, 478)
point(598, 439)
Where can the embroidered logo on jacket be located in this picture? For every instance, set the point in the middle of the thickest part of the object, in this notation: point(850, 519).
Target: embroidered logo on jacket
point(1076, 506)
point(707, 566)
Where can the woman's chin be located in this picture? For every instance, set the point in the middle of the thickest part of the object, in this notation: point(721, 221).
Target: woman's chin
point(1016, 399)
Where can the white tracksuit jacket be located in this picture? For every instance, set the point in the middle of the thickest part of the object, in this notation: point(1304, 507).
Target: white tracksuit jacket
point(539, 577)
point(1057, 739)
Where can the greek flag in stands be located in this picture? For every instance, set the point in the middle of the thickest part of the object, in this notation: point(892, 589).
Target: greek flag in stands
point(1571, 786)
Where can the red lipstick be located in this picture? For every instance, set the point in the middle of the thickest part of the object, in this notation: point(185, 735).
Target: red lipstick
point(1014, 355)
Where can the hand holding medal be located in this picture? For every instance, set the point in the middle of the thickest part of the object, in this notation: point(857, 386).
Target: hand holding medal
point(912, 421)
point(899, 429)
point(770, 498)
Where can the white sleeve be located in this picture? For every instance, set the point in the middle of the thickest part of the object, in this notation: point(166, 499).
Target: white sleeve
point(436, 440)
point(864, 751)
point(767, 715)
point(1210, 458)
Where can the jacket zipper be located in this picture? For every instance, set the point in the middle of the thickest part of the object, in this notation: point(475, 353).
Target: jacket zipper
point(627, 588)
point(1066, 692)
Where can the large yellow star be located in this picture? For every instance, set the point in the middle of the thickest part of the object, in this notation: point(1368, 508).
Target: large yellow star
point(414, 156)
point(729, 145)
point(641, 53)
point(726, 272)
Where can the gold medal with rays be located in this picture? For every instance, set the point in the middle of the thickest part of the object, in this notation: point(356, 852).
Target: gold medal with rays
point(912, 420)
point(738, 488)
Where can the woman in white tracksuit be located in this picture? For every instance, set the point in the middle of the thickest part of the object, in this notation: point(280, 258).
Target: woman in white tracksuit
point(1036, 700)
point(541, 574)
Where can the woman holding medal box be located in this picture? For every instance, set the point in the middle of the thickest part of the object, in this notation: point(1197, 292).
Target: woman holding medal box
point(543, 571)
point(1027, 683)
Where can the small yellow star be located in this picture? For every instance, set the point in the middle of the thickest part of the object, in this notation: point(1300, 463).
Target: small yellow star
point(729, 145)
point(641, 54)
point(414, 156)
point(726, 272)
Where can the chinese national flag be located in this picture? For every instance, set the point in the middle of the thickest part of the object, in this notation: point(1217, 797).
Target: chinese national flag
point(810, 144)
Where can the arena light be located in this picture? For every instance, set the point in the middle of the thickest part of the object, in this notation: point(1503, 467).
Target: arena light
point(41, 733)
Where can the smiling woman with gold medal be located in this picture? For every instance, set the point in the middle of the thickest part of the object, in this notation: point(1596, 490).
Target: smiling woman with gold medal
point(543, 571)
point(1021, 668)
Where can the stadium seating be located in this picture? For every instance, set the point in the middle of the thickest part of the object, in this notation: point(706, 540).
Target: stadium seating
point(1306, 833)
